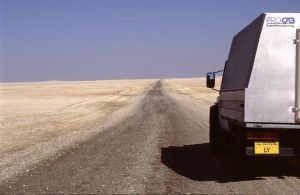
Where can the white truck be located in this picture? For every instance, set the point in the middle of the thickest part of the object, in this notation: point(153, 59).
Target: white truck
point(257, 112)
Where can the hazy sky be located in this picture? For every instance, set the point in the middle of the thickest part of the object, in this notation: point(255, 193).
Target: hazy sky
point(110, 39)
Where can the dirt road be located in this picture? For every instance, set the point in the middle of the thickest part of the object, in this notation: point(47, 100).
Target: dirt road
point(162, 147)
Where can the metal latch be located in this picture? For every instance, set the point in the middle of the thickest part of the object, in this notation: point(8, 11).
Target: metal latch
point(296, 109)
point(296, 41)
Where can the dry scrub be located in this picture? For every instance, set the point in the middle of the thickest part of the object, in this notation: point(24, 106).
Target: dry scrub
point(195, 88)
point(36, 112)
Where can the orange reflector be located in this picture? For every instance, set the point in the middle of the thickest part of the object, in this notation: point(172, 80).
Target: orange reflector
point(262, 135)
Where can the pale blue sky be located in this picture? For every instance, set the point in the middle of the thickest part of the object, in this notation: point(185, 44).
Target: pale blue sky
point(121, 39)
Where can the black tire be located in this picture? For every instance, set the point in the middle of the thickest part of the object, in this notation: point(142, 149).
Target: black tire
point(215, 134)
point(242, 165)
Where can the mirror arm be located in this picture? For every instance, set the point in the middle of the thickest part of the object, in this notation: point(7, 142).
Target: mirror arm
point(218, 71)
point(215, 73)
point(215, 89)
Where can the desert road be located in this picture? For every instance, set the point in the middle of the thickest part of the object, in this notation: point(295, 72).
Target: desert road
point(159, 147)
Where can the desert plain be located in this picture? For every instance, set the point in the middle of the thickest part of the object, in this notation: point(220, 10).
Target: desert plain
point(120, 136)
point(38, 111)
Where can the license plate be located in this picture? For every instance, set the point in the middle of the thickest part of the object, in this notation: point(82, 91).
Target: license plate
point(266, 147)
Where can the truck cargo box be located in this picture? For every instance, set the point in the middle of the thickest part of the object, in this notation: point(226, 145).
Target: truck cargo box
point(259, 80)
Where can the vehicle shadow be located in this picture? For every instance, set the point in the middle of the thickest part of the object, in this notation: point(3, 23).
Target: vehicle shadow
point(197, 163)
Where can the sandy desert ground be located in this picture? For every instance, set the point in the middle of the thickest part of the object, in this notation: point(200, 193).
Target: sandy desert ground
point(195, 88)
point(36, 112)
point(121, 137)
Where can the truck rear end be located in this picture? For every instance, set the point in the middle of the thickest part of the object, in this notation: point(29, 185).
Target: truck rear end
point(258, 108)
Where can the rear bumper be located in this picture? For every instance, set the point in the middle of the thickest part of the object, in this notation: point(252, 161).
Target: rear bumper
point(282, 152)
point(288, 141)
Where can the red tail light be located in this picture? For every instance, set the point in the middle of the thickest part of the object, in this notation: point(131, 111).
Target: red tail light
point(262, 135)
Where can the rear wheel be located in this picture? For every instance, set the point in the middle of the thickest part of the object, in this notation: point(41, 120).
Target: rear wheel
point(215, 133)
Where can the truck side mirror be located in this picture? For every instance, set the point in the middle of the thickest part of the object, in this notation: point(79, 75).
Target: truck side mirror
point(210, 80)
